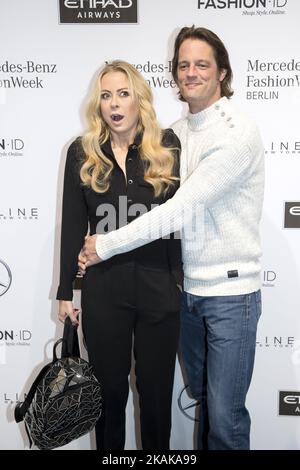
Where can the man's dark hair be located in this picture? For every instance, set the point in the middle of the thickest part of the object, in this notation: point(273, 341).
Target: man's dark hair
point(219, 50)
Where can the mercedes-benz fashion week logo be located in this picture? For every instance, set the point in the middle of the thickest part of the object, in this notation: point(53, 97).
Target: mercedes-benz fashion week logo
point(188, 406)
point(5, 277)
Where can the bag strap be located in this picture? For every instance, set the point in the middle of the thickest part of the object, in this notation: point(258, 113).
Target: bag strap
point(22, 407)
point(70, 347)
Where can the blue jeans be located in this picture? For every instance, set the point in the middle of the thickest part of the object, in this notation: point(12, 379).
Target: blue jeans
point(218, 339)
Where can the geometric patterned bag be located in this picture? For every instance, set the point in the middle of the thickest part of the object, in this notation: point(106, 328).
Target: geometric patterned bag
point(64, 402)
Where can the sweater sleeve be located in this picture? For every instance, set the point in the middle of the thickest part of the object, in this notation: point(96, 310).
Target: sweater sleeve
point(170, 139)
point(74, 222)
point(219, 170)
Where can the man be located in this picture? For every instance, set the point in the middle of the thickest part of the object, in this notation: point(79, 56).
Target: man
point(222, 174)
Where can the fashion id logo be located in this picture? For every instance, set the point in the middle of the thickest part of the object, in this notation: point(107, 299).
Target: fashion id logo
point(248, 7)
point(12, 147)
point(15, 337)
point(269, 278)
point(98, 11)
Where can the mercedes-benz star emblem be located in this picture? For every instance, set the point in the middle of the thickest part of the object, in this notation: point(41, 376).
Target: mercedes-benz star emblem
point(187, 405)
point(5, 277)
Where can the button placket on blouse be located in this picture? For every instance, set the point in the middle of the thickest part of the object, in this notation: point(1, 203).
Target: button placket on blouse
point(130, 170)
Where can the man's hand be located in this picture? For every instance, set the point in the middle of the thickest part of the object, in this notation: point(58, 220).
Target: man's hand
point(88, 255)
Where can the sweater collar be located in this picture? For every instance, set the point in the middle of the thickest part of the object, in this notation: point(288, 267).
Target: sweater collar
point(203, 119)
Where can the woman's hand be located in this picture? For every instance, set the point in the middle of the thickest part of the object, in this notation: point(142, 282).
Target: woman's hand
point(66, 309)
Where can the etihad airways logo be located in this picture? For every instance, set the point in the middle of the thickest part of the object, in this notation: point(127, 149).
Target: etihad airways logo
point(292, 214)
point(289, 403)
point(98, 11)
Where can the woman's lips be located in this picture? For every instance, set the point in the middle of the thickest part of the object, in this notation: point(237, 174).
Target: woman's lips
point(116, 117)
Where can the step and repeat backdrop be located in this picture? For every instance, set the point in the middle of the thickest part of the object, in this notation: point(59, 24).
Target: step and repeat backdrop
point(50, 53)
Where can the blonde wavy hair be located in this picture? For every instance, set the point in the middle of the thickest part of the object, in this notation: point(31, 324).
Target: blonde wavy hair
point(159, 161)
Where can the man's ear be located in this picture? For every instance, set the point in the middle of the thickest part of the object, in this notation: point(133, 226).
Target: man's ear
point(222, 75)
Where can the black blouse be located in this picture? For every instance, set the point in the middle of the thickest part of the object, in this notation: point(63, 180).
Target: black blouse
point(83, 208)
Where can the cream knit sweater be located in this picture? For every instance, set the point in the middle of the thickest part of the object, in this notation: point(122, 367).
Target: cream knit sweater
point(217, 208)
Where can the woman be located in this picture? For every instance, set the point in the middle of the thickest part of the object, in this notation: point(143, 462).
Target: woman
point(122, 166)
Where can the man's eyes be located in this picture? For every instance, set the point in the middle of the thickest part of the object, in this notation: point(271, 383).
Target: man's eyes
point(200, 65)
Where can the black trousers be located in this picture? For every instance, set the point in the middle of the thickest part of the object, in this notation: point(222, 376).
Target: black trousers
point(113, 320)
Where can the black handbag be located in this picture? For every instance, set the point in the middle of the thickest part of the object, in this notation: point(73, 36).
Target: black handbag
point(64, 402)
